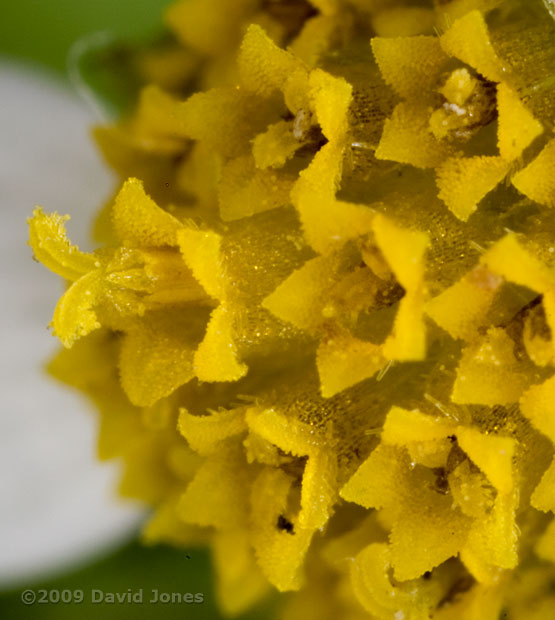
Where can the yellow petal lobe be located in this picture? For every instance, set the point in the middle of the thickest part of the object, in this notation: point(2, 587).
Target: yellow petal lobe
point(139, 221)
point(537, 180)
point(47, 237)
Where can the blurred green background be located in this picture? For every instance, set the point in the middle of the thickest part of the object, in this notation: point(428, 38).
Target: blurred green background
point(93, 37)
point(135, 567)
point(42, 32)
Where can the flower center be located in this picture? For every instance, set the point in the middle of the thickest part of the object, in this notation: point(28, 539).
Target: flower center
point(468, 104)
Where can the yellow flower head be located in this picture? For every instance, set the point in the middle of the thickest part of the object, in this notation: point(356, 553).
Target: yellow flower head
point(320, 328)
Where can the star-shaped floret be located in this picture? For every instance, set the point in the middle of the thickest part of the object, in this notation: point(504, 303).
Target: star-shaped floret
point(421, 474)
point(239, 125)
point(143, 288)
point(473, 95)
point(279, 110)
point(260, 485)
point(462, 309)
point(327, 289)
point(490, 371)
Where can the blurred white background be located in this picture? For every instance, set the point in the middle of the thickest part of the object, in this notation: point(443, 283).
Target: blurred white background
point(58, 503)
